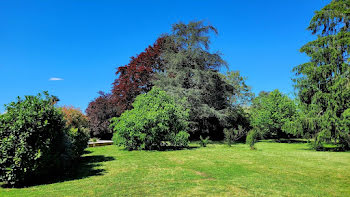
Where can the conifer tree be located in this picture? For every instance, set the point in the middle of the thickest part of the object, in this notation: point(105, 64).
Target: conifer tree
point(191, 70)
point(323, 82)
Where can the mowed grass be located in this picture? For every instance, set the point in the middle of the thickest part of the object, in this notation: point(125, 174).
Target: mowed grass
point(275, 169)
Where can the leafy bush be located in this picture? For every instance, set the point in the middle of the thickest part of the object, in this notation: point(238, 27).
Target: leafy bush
point(35, 140)
point(155, 121)
point(232, 135)
point(77, 130)
point(252, 138)
point(31, 138)
point(203, 141)
point(180, 139)
point(270, 112)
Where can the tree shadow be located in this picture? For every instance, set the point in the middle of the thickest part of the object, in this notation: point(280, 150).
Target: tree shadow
point(83, 168)
point(164, 148)
point(326, 149)
point(287, 141)
point(174, 148)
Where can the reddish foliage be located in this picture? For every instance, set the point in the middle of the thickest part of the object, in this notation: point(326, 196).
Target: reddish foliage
point(133, 79)
point(99, 112)
point(136, 77)
point(74, 117)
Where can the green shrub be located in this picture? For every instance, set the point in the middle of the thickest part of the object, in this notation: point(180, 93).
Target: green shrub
point(203, 141)
point(78, 138)
point(252, 138)
point(180, 139)
point(155, 121)
point(232, 135)
point(31, 138)
point(35, 142)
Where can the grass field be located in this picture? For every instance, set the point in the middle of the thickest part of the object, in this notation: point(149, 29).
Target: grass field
point(275, 169)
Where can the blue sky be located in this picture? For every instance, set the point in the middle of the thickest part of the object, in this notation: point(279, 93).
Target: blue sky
point(83, 42)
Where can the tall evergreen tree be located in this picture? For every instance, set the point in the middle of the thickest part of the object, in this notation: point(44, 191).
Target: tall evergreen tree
point(323, 82)
point(192, 71)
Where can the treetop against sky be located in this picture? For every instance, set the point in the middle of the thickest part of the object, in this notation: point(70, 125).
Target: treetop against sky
point(73, 48)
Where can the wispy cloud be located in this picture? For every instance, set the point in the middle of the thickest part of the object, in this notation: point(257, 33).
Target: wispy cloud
point(55, 79)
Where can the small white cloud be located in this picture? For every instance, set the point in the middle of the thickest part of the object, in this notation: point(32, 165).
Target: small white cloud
point(55, 79)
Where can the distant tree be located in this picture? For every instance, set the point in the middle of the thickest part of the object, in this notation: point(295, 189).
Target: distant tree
point(74, 117)
point(77, 129)
point(269, 113)
point(99, 113)
point(192, 71)
point(233, 135)
point(239, 96)
point(238, 92)
point(137, 77)
point(323, 83)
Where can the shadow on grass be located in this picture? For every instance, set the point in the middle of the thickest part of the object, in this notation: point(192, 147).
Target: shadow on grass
point(326, 149)
point(171, 148)
point(164, 148)
point(83, 168)
point(287, 141)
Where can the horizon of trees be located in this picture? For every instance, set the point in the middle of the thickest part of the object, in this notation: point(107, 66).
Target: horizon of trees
point(182, 64)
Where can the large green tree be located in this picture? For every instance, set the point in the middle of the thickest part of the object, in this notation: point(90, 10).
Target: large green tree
point(191, 70)
point(323, 82)
point(270, 111)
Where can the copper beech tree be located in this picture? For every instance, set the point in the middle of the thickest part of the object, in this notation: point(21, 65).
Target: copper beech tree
point(137, 76)
point(132, 79)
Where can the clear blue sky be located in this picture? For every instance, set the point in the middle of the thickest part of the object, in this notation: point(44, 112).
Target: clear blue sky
point(83, 42)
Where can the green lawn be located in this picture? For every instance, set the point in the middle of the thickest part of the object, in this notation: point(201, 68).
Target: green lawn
point(275, 169)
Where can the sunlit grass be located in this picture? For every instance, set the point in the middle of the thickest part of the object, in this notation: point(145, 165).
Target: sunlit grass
point(277, 169)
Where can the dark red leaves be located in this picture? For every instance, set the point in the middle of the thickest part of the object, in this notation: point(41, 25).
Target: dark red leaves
point(136, 77)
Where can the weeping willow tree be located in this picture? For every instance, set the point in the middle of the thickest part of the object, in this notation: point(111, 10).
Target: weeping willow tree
point(192, 72)
point(323, 82)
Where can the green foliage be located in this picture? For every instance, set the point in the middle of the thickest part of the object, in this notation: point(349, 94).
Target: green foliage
point(345, 127)
point(37, 140)
point(191, 71)
point(180, 139)
point(323, 83)
point(77, 130)
point(270, 112)
point(31, 138)
point(252, 138)
point(237, 91)
point(78, 140)
point(232, 135)
point(155, 120)
point(204, 141)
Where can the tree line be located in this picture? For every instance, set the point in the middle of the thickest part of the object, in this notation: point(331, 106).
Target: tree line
point(182, 64)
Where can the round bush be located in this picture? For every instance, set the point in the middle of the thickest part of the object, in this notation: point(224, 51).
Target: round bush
point(35, 142)
point(31, 134)
point(155, 121)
